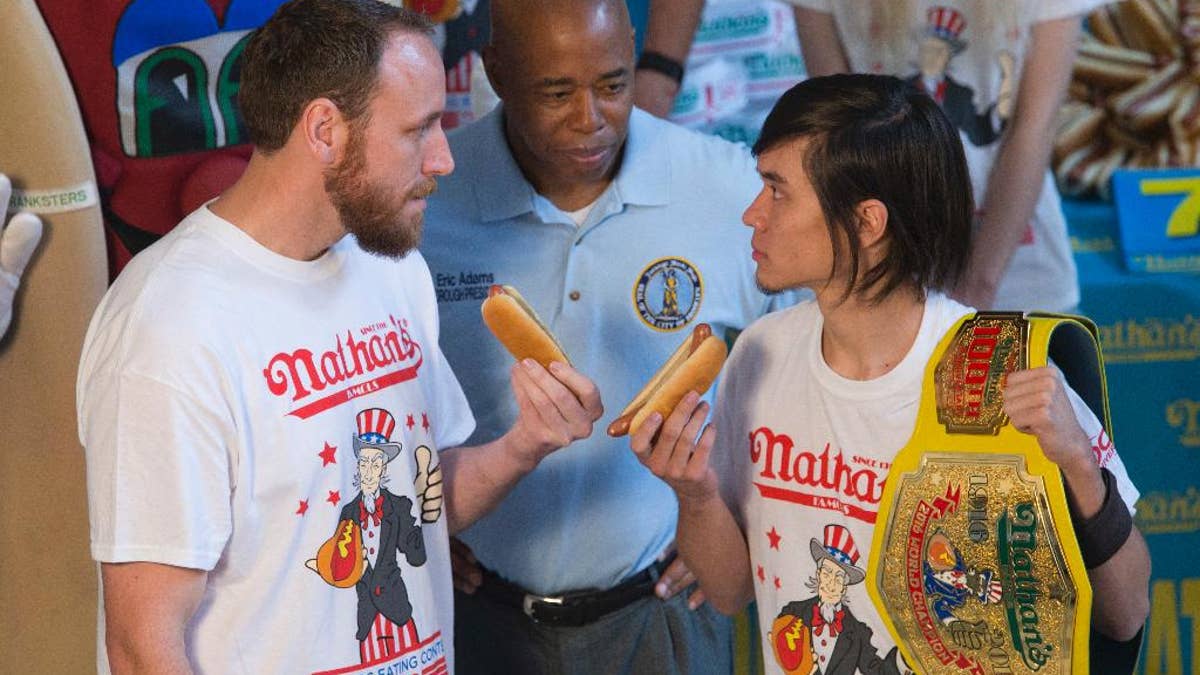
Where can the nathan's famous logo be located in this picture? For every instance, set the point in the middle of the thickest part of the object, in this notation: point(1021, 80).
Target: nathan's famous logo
point(1152, 338)
point(970, 376)
point(950, 592)
point(668, 293)
point(1017, 539)
point(1171, 512)
point(765, 66)
point(734, 27)
point(1184, 414)
point(778, 461)
point(385, 350)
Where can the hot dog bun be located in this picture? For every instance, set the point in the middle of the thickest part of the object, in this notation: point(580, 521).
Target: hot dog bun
point(1078, 125)
point(518, 328)
point(1154, 25)
point(692, 367)
point(1089, 168)
point(1112, 66)
point(1149, 102)
point(1105, 26)
point(1184, 122)
point(1139, 66)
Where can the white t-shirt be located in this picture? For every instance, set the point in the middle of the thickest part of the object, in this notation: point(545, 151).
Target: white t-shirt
point(886, 36)
point(803, 449)
point(221, 393)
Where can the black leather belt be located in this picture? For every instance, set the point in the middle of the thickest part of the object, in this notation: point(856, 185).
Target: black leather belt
point(573, 608)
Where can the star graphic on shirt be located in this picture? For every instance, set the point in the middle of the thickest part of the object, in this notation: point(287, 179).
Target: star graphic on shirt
point(425, 422)
point(762, 574)
point(327, 455)
point(774, 537)
point(334, 497)
point(410, 422)
point(303, 507)
point(778, 584)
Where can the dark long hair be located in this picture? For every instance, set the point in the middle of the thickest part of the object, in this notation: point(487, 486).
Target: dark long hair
point(877, 137)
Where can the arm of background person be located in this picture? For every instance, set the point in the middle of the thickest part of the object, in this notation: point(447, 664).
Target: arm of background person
point(670, 28)
point(556, 406)
point(147, 608)
point(820, 43)
point(1015, 182)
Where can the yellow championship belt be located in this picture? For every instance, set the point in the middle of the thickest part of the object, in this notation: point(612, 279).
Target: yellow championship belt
point(975, 565)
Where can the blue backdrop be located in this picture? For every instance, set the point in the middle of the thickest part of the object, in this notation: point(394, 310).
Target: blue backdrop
point(1150, 335)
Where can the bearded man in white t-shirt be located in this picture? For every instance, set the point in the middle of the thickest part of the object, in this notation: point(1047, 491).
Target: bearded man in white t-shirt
point(225, 373)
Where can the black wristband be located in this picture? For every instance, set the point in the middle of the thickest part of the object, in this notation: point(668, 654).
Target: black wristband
point(1105, 533)
point(662, 64)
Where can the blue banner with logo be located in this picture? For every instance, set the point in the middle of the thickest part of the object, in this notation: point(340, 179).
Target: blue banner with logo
point(1150, 335)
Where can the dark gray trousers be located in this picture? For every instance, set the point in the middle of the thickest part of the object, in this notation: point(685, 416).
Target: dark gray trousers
point(647, 637)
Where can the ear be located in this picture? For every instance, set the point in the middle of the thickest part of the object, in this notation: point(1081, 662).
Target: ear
point(493, 69)
point(324, 130)
point(872, 222)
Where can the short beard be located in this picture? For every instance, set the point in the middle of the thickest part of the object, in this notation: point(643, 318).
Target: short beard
point(367, 210)
point(769, 291)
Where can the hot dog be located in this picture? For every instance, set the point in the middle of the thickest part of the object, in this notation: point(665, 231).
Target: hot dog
point(1139, 65)
point(1112, 66)
point(518, 328)
point(1087, 169)
point(692, 367)
point(1185, 126)
point(1147, 104)
point(1157, 23)
point(1105, 26)
point(1078, 124)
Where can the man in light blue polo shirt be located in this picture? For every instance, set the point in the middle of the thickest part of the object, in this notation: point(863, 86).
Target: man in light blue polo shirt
point(623, 232)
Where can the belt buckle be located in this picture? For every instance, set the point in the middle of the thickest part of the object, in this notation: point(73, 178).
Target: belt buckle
point(528, 600)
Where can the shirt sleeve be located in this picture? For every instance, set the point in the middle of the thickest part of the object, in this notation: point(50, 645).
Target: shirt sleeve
point(158, 472)
point(1104, 450)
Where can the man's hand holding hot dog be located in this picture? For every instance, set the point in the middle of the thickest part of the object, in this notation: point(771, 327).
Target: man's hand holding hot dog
point(556, 406)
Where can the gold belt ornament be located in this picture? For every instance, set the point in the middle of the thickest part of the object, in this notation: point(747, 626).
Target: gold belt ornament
point(975, 565)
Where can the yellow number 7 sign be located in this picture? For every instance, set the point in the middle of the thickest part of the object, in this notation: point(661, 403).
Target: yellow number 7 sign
point(1158, 217)
point(1185, 219)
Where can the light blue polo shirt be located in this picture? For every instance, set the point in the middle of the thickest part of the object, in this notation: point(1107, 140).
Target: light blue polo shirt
point(662, 250)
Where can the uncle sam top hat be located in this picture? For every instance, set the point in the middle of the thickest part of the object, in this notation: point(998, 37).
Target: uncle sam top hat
point(839, 547)
point(946, 24)
point(375, 426)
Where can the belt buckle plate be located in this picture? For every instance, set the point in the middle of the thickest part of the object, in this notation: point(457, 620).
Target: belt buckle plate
point(527, 603)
